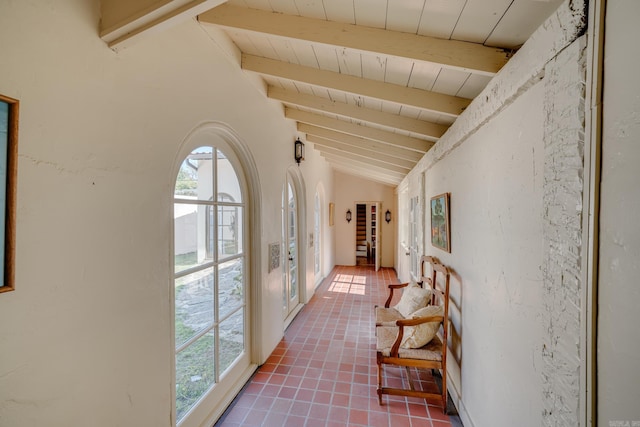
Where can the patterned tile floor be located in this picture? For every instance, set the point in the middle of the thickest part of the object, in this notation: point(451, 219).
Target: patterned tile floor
point(323, 372)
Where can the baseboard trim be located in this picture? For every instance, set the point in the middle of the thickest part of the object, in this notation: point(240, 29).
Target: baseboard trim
point(464, 416)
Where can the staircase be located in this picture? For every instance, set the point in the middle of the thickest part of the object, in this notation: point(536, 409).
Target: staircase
point(361, 231)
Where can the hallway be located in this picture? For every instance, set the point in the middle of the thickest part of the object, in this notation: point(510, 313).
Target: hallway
point(323, 372)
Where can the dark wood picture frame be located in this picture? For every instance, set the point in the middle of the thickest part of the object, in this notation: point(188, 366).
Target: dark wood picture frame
point(9, 114)
point(440, 227)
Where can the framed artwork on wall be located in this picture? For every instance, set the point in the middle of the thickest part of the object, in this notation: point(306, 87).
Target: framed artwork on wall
point(332, 208)
point(440, 230)
point(8, 175)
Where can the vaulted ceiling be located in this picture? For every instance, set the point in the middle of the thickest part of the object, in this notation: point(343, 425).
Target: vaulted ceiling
point(373, 84)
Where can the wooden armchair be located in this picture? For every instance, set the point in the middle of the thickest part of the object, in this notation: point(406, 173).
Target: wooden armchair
point(404, 344)
point(387, 313)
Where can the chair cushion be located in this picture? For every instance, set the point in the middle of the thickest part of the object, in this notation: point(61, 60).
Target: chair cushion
point(418, 336)
point(386, 336)
point(413, 298)
point(387, 315)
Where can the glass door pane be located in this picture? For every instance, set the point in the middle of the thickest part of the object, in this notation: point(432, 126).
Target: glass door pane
point(290, 279)
point(316, 235)
point(210, 282)
point(292, 247)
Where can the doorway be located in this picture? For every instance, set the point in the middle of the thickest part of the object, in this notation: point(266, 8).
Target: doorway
point(368, 239)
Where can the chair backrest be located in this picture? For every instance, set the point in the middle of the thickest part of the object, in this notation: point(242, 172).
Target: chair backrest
point(427, 270)
point(440, 293)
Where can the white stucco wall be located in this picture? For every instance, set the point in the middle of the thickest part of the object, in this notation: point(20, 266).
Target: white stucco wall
point(350, 190)
point(495, 181)
point(513, 165)
point(86, 334)
point(618, 288)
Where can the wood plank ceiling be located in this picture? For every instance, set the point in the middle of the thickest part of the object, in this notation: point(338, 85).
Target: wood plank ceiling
point(373, 84)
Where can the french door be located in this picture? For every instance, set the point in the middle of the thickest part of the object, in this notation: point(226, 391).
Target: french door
point(317, 233)
point(210, 284)
point(291, 275)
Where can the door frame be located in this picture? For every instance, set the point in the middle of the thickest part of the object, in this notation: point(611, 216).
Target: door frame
point(294, 176)
point(318, 237)
point(377, 261)
point(207, 131)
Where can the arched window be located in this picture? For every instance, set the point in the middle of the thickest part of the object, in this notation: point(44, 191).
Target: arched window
point(210, 280)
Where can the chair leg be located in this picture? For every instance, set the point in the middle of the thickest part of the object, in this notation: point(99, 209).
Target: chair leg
point(379, 389)
point(444, 392)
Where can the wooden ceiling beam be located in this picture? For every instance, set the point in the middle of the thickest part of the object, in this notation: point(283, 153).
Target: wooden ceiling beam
point(451, 106)
point(433, 131)
point(363, 175)
point(361, 166)
point(362, 169)
point(363, 159)
point(379, 135)
point(124, 21)
point(318, 143)
point(459, 55)
point(356, 141)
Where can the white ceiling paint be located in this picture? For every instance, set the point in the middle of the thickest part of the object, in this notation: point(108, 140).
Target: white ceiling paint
point(317, 46)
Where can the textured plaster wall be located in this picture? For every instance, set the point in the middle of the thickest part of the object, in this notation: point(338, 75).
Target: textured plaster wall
point(86, 335)
point(563, 290)
point(496, 250)
point(619, 284)
point(513, 163)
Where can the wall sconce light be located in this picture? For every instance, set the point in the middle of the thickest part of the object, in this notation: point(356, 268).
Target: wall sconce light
point(387, 216)
point(298, 151)
point(348, 215)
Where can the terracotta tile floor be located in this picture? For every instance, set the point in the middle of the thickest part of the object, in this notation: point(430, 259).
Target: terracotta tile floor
point(323, 372)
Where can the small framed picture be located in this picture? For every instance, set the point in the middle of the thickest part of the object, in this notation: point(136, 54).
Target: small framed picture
point(440, 230)
point(332, 208)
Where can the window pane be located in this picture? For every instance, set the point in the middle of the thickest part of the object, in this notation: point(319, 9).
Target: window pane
point(293, 280)
point(191, 236)
point(227, 179)
point(194, 304)
point(208, 229)
point(195, 373)
point(231, 286)
point(195, 178)
point(229, 230)
point(231, 339)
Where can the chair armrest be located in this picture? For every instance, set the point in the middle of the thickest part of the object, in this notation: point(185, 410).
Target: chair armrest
point(419, 320)
point(391, 324)
point(391, 289)
point(410, 322)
